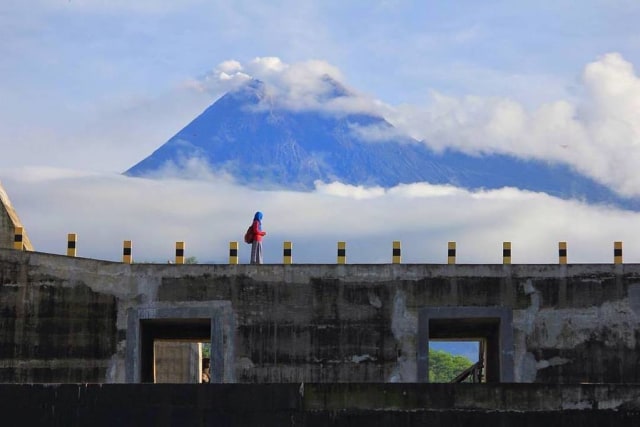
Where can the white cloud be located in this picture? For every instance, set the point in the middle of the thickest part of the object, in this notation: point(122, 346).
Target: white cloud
point(305, 85)
point(192, 168)
point(599, 135)
point(267, 65)
point(357, 192)
point(105, 209)
point(229, 67)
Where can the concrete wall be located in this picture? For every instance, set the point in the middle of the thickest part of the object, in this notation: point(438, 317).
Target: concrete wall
point(322, 405)
point(79, 320)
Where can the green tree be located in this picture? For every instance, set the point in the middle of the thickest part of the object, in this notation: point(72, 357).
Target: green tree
point(206, 350)
point(444, 367)
point(191, 260)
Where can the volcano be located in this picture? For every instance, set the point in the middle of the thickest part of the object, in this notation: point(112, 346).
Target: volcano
point(248, 135)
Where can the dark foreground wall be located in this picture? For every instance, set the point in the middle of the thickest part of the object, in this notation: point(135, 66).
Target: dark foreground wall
point(68, 320)
point(321, 405)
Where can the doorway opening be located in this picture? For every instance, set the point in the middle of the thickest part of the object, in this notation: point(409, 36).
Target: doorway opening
point(198, 324)
point(171, 350)
point(489, 327)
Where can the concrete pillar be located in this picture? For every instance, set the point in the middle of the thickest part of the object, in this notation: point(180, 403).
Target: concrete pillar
point(72, 239)
point(179, 252)
point(287, 257)
point(342, 252)
point(233, 252)
point(617, 252)
point(506, 252)
point(396, 257)
point(127, 257)
point(562, 252)
point(451, 253)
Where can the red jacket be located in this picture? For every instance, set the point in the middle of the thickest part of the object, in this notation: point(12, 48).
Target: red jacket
point(257, 231)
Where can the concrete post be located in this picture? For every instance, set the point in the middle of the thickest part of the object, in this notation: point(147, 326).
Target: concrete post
point(396, 257)
point(18, 242)
point(562, 252)
point(233, 252)
point(506, 252)
point(72, 239)
point(287, 257)
point(179, 252)
point(342, 252)
point(127, 257)
point(617, 252)
point(451, 253)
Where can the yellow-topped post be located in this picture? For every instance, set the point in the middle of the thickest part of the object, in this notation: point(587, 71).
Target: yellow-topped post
point(451, 253)
point(342, 252)
point(562, 252)
point(72, 239)
point(127, 257)
point(506, 252)
point(179, 252)
point(617, 252)
point(233, 252)
point(18, 239)
point(287, 257)
point(396, 257)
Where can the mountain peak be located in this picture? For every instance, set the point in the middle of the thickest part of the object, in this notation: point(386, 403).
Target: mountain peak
point(266, 138)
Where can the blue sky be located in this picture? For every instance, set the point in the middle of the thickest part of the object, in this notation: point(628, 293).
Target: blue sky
point(88, 88)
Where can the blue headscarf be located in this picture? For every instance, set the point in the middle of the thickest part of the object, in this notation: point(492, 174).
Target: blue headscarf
point(258, 217)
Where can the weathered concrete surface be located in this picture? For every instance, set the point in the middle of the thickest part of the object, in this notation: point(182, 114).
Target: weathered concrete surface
point(66, 319)
point(322, 404)
point(9, 220)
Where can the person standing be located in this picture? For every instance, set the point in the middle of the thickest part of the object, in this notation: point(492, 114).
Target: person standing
point(258, 234)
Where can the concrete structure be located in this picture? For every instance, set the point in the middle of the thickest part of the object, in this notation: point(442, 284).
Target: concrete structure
point(80, 320)
point(313, 345)
point(8, 222)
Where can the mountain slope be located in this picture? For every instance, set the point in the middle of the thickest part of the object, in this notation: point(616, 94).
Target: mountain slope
point(271, 147)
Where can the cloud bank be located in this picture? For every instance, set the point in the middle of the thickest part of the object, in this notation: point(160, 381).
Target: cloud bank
point(106, 209)
point(598, 135)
